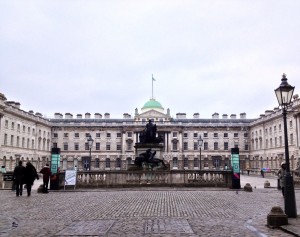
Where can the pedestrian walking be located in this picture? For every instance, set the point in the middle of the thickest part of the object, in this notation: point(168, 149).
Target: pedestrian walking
point(262, 173)
point(30, 176)
point(281, 175)
point(46, 176)
point(18, 178)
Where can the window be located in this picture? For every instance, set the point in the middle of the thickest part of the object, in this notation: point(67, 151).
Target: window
point(119, 135)
point(55, 135)
point(280, 141)
point(66, 134)
point(86, 146)
point(97, 146)
point(33, 131)
point(291, 124)
point(205, 134)
point(235, 134)
point(205, 146)
point(185, 135)
point(225, 146)
point(76, 146)
point(279, 126)
point(274, 128)
point(28, 129)
point(271, 143)
point(107, 163)
point(28, 141)
point(128, 146)
point(246, 147)
point(196, 162)
point(215, 134)
point(275, 141)
point(175, 162)
point(185, 162)
point(108, 146)
point(40, 132)
point(87, 134)
point(18, 141)
point(118, 163)
point(195, 146)
point(185, 146)
point(54, 144)
point(5, 139)
point(23, 142)
point(195, 134)
point(19, 128)
point(32, 144)
point(98, 135)
point(65, 146)
point(129, 134)
point(225, 134)
point(236, 145)
point(174, 144)
point(216, 146)
point(270, 130)
point(12, 140)
point(174, 134)
point(245, 134)
point(6, 123)
point(108, 135)
point(76, 135)
point(12, 125)
point(97, 163)
point(267, 144)
point(291, 139)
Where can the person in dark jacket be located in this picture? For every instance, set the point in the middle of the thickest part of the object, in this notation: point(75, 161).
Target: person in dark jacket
point(46, 176)
point(30, 176)
point(18, 177)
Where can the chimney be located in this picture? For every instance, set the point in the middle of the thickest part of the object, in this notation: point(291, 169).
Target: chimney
point(68, 115)
point(57, 115)
point(79, 116)
point(87, 115)
point(242, 115)
point(107, 115)
point(215, 116)
point(233, 116)
point(225, 116)
point(98, 116)
point(196, 115)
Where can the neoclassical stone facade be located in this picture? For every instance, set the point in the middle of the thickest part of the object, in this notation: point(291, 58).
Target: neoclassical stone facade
point(28, 136)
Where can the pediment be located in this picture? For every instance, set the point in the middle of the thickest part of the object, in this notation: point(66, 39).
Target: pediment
point(152, 114)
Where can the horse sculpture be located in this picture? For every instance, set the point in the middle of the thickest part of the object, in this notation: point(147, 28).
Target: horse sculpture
point(148, 158)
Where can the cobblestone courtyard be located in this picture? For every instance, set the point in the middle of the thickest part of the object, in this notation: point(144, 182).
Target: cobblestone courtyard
point(141, 212)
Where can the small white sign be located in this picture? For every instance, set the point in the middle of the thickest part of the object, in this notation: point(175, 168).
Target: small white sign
point(70, 177)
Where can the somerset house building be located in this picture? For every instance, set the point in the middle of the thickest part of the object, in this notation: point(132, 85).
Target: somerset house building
point(28, 136)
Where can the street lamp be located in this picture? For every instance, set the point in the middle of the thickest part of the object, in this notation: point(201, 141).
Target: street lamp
point(284, 95)
point(200, 142)
point(90, 141)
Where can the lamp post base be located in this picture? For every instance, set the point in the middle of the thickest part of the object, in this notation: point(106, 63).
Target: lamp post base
point(289, 197)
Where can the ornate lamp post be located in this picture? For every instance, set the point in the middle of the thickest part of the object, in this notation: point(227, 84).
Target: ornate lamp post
point(90, 141)
point(284, 95)
point(200, 142)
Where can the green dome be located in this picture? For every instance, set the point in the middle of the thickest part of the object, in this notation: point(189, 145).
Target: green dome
point(152, 104)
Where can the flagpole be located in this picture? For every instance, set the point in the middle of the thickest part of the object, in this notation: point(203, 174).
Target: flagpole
point(152, 85)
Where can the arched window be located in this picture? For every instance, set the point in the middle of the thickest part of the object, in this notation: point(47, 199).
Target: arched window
point(118, 163)
point(129, 161)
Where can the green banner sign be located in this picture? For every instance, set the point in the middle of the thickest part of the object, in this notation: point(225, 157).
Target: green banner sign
point(55, 163)
point(235, 163)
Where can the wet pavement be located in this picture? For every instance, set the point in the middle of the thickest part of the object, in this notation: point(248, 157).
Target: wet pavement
point(146, 212)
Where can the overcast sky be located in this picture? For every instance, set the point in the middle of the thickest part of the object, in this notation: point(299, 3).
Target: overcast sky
point(99, 56)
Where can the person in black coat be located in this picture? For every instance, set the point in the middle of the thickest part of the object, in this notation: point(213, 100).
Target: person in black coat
point(30, 176)
point(19, 178)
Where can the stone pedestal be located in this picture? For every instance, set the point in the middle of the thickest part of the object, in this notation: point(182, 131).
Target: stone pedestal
point(143, 147)
point(277, 217)
point(267, 184)
point(248, 188)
